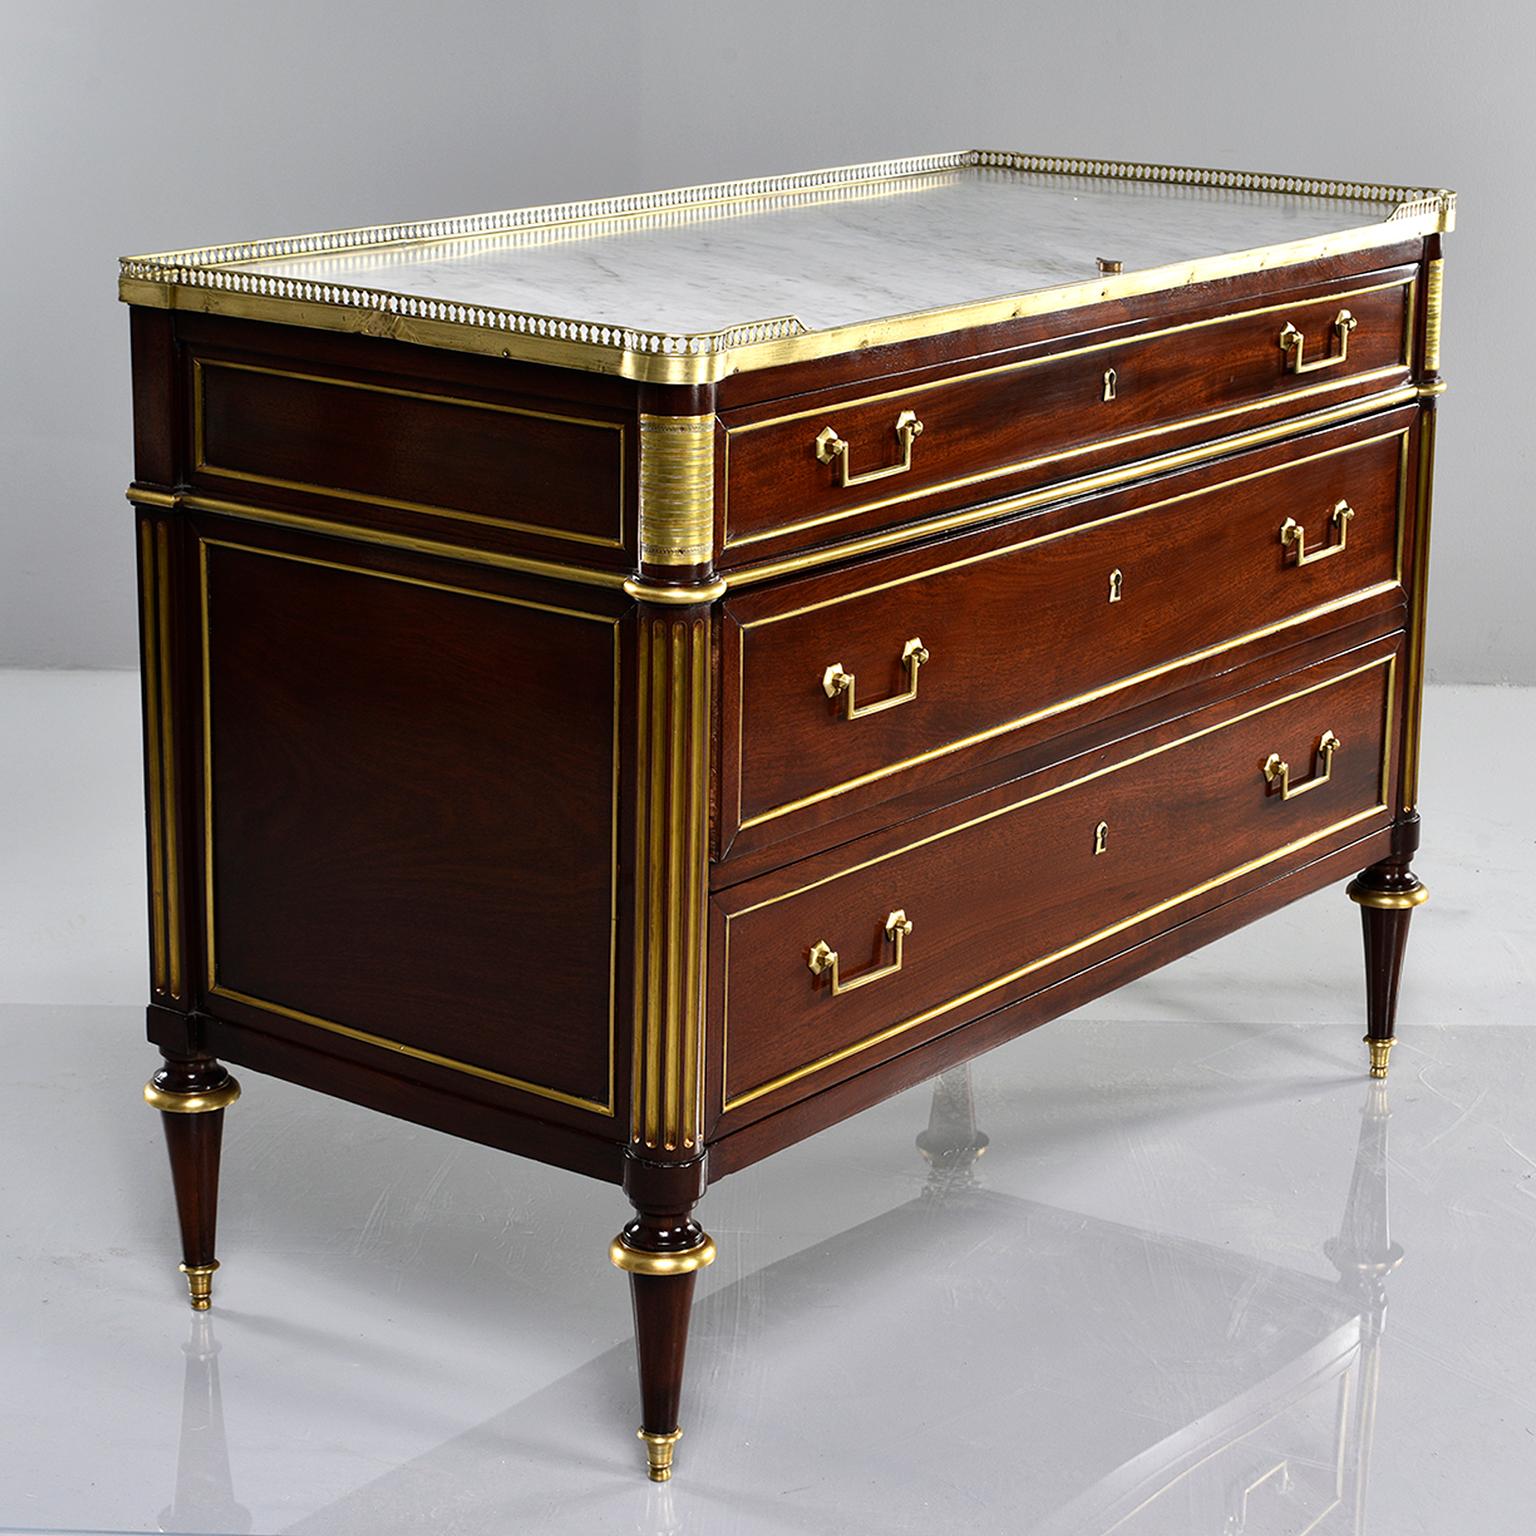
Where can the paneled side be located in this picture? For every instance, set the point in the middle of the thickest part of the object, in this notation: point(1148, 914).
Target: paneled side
point(411, 799)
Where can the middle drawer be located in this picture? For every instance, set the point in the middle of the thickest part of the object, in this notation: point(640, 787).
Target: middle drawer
point(844, 682)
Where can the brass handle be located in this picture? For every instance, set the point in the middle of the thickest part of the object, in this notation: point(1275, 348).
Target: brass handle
point(1292, 342)
point(1278, 771)
point(835, 681)
point(823, 957)
point(830, 446)
point(1292, 533)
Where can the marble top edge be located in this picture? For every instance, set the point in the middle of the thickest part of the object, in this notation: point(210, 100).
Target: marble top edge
point(699, 281)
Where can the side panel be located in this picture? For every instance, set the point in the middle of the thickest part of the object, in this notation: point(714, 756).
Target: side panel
point(411, 812)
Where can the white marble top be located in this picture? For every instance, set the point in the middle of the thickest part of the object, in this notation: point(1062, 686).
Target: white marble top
point(927, 242)
point(692, 284)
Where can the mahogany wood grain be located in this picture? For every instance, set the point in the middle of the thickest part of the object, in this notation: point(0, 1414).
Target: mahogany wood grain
point(1200, 562)
point(997, 885)
point(932, 356)
point(546, 469)
point(1039, 418)
point(193, 1142)
point(393, 766)
point(749, 1141)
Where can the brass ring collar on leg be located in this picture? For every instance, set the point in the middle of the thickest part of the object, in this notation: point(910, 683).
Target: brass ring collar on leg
point(637, 1261)
point(1388, 901)
point(200, 1102)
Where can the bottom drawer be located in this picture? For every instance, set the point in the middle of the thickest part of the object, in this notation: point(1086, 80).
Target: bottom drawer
point(849, 957)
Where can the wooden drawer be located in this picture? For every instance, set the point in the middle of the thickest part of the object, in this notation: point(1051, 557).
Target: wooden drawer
point(1001, 888)
point(918, 447)
point(1024, 622)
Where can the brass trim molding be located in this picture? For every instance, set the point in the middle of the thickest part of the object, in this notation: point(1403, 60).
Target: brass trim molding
point(879, 1037)
point(1082, 485)
point(637, 1261)
point(1387, 901)
point(167, 942)
point(677, 597)
point(671, 880)
point(1125, 344)
point(218, 989)
point(215, 279)
point(252, 512)
point(677, 490)
point(1434, 294)
point(201, 1103)
point(200, 461)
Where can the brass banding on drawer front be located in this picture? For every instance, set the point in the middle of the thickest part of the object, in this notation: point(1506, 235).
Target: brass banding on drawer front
point(1014, 632)
point(826, 470)
point(1030, 878)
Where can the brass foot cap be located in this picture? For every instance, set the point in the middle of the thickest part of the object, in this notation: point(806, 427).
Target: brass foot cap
point(658, 1453)
point(200, 1284)
point(1380, 1051)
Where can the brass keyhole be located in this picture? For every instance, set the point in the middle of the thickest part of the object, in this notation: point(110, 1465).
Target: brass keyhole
point(1101, 838)
point(1111, 381)
point(1116, 585)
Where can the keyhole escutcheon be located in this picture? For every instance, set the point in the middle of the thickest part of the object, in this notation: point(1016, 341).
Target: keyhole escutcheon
point(1111, 383)
point(1116, 585)
point(1101, 839)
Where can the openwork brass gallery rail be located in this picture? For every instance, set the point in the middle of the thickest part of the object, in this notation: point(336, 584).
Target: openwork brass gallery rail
point(217, 278)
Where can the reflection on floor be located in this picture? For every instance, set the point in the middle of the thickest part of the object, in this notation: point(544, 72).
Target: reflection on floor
point(1171, 1386)
point(1156, 1306)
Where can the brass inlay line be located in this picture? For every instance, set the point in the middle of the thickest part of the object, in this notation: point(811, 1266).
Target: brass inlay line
point(671, 871)
point(342, 493)
point(881, 1036)
point(875, 774)
point(249, 512)
point(891, 769)
point(148, 605)
point(1413, 704)
point(1434, 293)
point(168, 748)
point(1061, 533)
point(1077, 450)
point(216, 988)
point(1061, 490)
point(677, 490)
point(214, 278)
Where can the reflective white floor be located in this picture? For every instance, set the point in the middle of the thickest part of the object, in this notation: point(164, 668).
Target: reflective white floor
point(1129, 1315)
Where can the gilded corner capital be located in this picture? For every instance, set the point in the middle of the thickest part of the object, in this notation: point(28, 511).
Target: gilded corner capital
point(677, 491)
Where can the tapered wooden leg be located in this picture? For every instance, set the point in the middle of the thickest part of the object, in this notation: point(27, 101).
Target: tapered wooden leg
point(662, 1253)
point(1386, 893)
point(192, 1096)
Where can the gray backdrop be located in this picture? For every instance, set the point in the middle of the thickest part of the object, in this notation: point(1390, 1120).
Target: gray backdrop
point(128, 127)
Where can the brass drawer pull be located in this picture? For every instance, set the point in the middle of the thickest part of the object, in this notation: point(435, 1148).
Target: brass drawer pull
point(1292, 533)
point(1292, 342)
point(835, 681)
point(830, 446)
point(1278, 771)
point(823, 957)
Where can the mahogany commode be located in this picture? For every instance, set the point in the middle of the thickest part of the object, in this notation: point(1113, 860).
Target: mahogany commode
point(641, 738)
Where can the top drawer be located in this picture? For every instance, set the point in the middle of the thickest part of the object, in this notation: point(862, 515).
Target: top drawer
point(849, 465)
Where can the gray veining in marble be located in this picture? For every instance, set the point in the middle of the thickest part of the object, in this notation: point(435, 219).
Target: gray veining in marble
point(922, 243)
